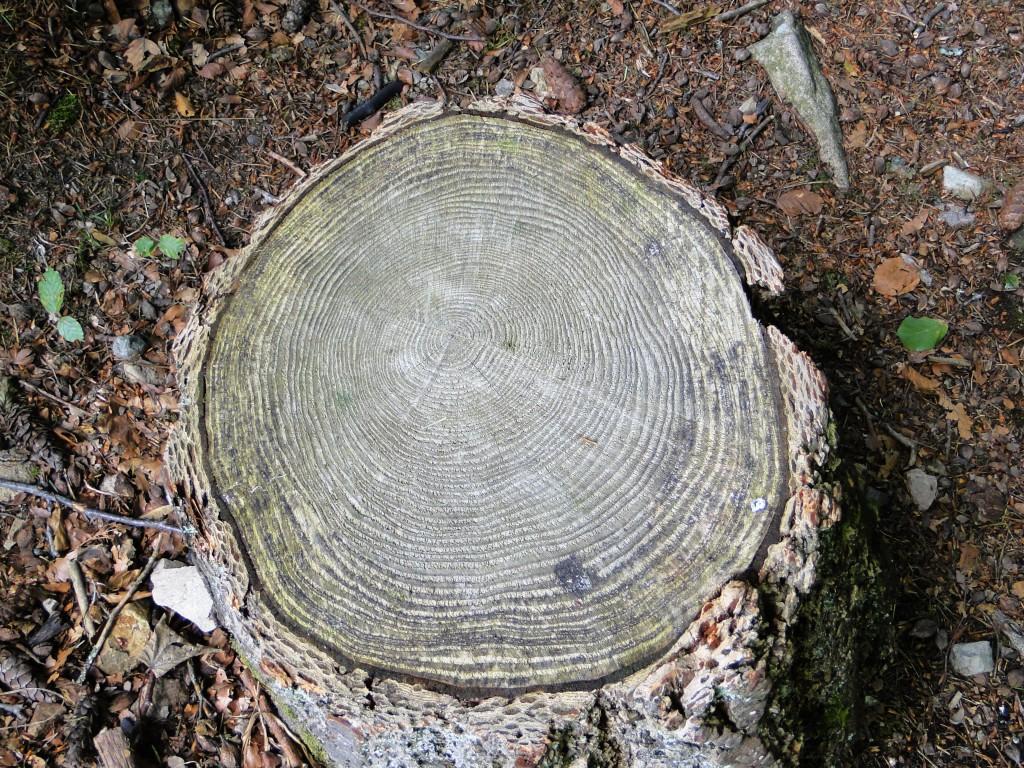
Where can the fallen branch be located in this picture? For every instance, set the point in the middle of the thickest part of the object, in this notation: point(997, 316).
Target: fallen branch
point(89, 512)
point(81, 595)
point(108, 625)
point(744, 146)
point(74, 409)
point(287, 164)
point(205, 197)
point(429, 63)
point(340, 13)
point(743, 10)
point(420, 27)
point(709, 121)
point(366, 108)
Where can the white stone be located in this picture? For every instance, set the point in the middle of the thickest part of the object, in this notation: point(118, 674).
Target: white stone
point(923, 488)
point(969, 659)
point(182, 589)
point(962, 184)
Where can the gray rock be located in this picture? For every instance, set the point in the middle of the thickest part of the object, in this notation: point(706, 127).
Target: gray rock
point(969, 659)
point(128, 347)
point(540, 83)
point(956, 216)
point(160, 13)
point(182, 589)
point(923, 488)
point(504, 87)
point(788, 56)
point(1016, 241)
point(962, 184)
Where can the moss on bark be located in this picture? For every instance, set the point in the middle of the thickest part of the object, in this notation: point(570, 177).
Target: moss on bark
point(840, 640)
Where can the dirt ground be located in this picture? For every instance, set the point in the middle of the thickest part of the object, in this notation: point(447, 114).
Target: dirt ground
point(115, 128)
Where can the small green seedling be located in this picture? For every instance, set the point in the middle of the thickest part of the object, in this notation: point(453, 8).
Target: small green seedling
point(1011, 281)
point(51, 296)
point(919, 334)
point(168, 245)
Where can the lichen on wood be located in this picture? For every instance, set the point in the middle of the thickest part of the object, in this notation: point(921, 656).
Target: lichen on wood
point(486, 449)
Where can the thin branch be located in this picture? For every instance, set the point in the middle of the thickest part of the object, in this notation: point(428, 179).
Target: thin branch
point(205, 197)
point(74, 409)
point(668, 6)
point(420, 27)
point(287, 164)
point(225, 51)
point(81, 595)
point(108, 625)
point(89, 512)
point(743, 10)
point(340, 13)
point(709, 121)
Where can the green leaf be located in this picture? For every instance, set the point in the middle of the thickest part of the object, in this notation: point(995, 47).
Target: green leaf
point(170, 246)
point(51, 291)
point(1011, 281)
point(921, 333)
point(70, 329)
point(144, 246)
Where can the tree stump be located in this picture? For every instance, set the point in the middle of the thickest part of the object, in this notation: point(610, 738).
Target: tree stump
point(492, 464)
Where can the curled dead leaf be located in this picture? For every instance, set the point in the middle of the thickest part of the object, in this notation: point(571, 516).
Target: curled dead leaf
point(896, 276)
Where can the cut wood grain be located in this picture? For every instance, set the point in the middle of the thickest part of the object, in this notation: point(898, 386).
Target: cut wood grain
point(480, 432)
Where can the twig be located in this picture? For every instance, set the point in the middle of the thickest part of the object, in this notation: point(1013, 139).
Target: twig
point(905, 442)
point(89, 512)
point(429, 63)
point(205, 197)
point(224, 51)
point(108, 625)
point(930, 16)
point(366, 108)
point(954, 361)
point(420, 27)
point(705, 117)
point(287, 164)
point(340, 13)
point(75, 410)
point(743, 10)
point(744, 146)
point(668, 6)
point(81, 595)
point(842, 324)
point(662, 60)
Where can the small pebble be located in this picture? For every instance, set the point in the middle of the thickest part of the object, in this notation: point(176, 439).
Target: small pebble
point(128, 347)
point(741, 54)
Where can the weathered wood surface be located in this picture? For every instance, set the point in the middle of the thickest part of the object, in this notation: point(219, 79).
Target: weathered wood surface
point(482, 436)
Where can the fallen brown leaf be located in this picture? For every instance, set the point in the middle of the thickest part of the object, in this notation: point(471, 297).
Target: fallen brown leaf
point(921, 382)
point(563, 86)
point(915, 224)
point(183, 105)
point(968, 557)
point(895, 276)
point(799, 201)
point(1011, 215)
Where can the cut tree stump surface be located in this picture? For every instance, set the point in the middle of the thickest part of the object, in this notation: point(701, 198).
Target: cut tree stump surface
point(478, 426)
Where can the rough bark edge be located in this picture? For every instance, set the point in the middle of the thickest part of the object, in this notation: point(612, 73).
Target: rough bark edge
point(701, 705)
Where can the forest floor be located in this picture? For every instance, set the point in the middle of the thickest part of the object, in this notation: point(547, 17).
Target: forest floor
point(114, 130)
